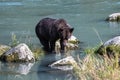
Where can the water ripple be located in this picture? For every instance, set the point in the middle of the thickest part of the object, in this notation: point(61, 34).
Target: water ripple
point(10, 3)
point(118, 2)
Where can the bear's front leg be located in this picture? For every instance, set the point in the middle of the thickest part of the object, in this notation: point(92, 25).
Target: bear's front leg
point(52, 45)
point(62, 45)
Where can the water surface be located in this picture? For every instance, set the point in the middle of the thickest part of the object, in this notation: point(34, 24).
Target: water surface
point(21, 16)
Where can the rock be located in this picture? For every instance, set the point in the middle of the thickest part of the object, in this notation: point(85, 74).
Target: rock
point(4, 48)
point(64, 64)
point(113, 17)
point(73, 40)
point(72, 43)
point(113, 41)
point(110, 47)
point(19, 53)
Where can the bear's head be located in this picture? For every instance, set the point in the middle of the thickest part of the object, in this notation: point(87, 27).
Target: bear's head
point(64, 30)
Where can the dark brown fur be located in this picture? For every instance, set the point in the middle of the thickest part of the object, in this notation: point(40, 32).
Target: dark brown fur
point(49, 30)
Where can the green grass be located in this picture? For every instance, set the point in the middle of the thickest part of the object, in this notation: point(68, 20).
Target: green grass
point(14, 40)
point(96, 67)
point(93, 66)
point(100, 63)
point(38, 52)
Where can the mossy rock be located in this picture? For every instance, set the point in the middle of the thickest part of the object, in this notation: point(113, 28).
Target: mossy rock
point(4, 48)
point(10, 58)
point(38, 53)
point(19, 53)
point(74, 41)
point(110, 50)
point(113, 17)
point(72, 44)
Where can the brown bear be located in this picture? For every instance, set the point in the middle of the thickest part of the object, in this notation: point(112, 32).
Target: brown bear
point(49, 30)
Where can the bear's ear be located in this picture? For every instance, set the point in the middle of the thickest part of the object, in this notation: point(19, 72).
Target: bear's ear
point(71, 30)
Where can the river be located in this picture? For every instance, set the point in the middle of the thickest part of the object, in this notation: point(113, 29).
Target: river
point(20, 17)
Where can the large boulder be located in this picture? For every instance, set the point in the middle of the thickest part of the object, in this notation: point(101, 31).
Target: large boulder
point(113, 17)
point(113, 41)
point(19, 53)
point(64, 64)
point(110, 47)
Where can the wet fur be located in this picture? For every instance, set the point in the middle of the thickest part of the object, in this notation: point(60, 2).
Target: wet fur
point(49, 30)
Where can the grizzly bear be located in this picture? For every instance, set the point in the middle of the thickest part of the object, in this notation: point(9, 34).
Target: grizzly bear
point(49, 30)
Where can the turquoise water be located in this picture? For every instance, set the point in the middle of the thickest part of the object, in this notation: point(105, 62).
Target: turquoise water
point(86, 16)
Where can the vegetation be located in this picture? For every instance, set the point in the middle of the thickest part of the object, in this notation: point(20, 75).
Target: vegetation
point(3, 48)
point(100, 63)
point(110, 50)
point(38, 52)
point(92, 66)
point(96, 67)
point(14, 40)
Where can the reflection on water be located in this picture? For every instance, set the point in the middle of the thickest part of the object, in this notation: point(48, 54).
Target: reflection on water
point(114, 29)
point(21, 16)
point(36, 71)
point(15, 71)
point(16, 68)
point(10, 3)
point(47, 73)
point(114, 24)
point(56, 75)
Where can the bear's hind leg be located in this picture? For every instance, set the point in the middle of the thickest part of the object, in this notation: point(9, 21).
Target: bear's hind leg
point(45, 44)
point(52, 45)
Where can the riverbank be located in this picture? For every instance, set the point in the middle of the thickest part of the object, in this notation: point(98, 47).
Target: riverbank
point(96, 67)
point(92, 66)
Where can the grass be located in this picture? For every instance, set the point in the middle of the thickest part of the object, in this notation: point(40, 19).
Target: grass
point(93, 66)
point(99, 67)
point(96, 67)
point(14, 40)
point(38, 52)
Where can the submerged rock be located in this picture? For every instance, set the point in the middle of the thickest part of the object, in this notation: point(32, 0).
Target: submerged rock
point(64, 64)
point(19, 53)
point(110, 47)
point(114, 17)
point(72, 43)
point(73, 40)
